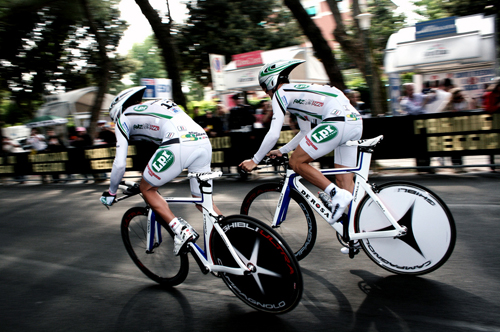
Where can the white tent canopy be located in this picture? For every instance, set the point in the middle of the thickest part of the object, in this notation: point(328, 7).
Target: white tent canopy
point(471, 44)
point(312, 71)
point(76, 103)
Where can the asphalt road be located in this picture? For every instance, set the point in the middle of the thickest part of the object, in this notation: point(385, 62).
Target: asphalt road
point(64, 268)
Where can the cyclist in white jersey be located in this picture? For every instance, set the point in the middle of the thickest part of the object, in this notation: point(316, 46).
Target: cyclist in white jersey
point(182, 144)
point(326, 120)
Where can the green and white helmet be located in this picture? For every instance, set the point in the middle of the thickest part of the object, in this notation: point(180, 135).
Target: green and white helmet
point(125, 99)
point(274, 73)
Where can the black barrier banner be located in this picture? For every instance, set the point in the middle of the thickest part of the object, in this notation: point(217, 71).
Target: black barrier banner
point(423, 136)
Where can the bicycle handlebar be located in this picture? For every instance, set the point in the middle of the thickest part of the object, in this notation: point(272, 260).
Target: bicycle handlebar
point(129, 189)
point(275, 160)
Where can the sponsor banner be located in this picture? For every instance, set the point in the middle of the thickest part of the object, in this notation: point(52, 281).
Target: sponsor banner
point(435, 28)
point(440, 134)
point(157, 88)
point(217, 63)
point(439, 50)
point(248, 59)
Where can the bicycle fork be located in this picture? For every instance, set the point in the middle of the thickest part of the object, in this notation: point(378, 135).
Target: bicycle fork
point(154, 238)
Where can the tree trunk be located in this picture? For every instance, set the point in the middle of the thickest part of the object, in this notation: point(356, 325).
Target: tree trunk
point(168, 49)
point(323, 51)
point(105, 69)
point(356, 46)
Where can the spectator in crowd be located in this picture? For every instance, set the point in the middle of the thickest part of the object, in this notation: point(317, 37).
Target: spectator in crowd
point(412, 103)
point(491, 104)
point(241, 116)
point(458, 102)
point(355, 99)
point(82, 140)
point(222, 114)
point(491, 98)
point(267, 111)
point(54, 144)
point(259, 114)
point(12, 146)
point(211, 124)
point(440, 97)
point(197, 117)
point(37, 140)
point(38, 143)
point(106, 135)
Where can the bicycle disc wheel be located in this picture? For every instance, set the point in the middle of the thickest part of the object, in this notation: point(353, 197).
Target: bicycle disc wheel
point(299, 227)
point(430, 236)
point(161, 265)
point(276, 285)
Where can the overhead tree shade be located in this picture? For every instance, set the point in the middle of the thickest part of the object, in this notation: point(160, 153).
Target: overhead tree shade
point(46, 121)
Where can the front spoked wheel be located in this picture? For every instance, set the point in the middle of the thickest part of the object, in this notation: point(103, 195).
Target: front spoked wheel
point(430, 236)
point(161, 265)
point(275, 285)
point(299, 227)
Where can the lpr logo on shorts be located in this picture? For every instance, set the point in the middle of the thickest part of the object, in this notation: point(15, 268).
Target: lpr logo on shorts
point(163, 160)
point(324, 133)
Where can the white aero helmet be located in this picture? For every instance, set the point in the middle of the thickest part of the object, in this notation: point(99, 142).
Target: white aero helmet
point(274, 73)
point(125, 99)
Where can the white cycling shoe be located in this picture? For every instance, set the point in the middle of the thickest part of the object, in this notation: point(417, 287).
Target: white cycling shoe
point(186, 235)
point(341, 199)
point(345, 250)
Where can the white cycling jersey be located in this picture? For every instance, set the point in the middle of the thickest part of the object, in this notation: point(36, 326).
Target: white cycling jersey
point(166, 124)
point(325, 106)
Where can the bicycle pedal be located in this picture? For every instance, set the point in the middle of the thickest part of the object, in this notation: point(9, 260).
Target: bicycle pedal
point(353, 252)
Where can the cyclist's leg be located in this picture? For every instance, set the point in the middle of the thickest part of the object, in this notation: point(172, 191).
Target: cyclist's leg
point(199, 162)
point(347, 156)
point(300, 163)
point(164, 166)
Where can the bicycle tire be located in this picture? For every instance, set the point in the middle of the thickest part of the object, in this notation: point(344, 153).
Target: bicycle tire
point(276, 286)
point(161, 265)
point(431, 232)
point(299, 229)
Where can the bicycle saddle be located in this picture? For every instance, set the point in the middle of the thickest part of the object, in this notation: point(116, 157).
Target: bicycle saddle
point(366, 142)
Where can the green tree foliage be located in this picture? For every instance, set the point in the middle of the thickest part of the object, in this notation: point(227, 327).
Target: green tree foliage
point(434, 9)
point(147, 60)
point(47, 47)
point(232, 27)
point(384, 23)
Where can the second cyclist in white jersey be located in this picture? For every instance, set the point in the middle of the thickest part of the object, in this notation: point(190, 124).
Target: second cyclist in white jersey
point(182, 143)
point(326, 120)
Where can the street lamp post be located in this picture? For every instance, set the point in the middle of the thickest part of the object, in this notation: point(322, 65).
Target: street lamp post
point(364, 24)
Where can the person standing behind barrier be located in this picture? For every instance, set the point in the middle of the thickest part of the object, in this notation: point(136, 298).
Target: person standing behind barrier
point(221, 113)
point(241, 116)
point(441, 97)
point(413, 103)
point(457, 103)
point(82, 140)
point(54, 144)
point(37, 141)
point(491, 103)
